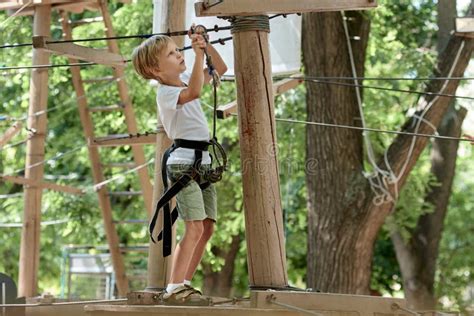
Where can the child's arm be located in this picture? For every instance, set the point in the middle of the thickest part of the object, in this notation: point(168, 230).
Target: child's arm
point(196, 81)
point(217, 61)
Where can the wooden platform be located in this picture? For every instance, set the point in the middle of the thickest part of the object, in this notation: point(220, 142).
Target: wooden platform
point(272, 303)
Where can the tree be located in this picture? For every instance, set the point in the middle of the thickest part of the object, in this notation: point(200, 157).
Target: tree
point(343, 219)
point(418, 256)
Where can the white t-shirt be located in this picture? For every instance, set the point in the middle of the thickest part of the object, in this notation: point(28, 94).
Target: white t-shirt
point(182, 121)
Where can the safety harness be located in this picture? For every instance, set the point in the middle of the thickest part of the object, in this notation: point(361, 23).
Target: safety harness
point(214, 174)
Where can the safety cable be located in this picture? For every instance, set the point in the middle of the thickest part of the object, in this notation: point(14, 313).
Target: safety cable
point(105, 38)
point(218, 41)
point(216, 29)
point(309, 78)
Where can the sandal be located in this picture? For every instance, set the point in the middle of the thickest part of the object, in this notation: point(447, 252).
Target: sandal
point(185, 295)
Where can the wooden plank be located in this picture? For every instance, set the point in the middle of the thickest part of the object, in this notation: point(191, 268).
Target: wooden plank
point(99, 56)
point(94, 158)
point(152, 310)
point(35, 146)
point(225, 111)
point(43, 185)
point(465, 24)
point(123, 140)
point(260, 177)
point(252, 7)
point(10, 133)
point(329, 303)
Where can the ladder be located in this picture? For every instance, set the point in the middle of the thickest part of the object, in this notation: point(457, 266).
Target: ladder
point(85, 112)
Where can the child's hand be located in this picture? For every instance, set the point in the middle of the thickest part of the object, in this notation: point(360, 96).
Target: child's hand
point(198, 41)
point(198, 44)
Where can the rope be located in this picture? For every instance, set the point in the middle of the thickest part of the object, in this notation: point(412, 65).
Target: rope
point(105, 38)
point(99, 185)
point(374, 78)
point(11, 196)
point(271, 299)
point(368, 129)
point(309, 78)
point(58, 156)
point(46, 223)
point(368, 144)
point(250, 23)
point(220, 41)
point(71, 100)
point(216, 29)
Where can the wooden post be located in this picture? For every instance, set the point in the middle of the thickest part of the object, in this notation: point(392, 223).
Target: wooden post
point(260, 176)
point(30, 235)
point(159, 268)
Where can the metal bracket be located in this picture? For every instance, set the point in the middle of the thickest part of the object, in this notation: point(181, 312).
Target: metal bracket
point(210, 3)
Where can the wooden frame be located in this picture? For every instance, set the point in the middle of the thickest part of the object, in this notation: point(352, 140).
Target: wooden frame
point(123, 140)
point(330, 303)
point(224, 111)
point(465, 24)
point(43, 185)
point(252, 7)
point(99, 56)
point(69, 5)
point(10, 133)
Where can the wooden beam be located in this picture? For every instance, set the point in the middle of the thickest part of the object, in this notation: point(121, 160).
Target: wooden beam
point(68, 5)
point(10, 133)
point(35, 147)
point(123, 140)
point(224, 111)
point(43, 185)
point(252, 7)
point(465, 24)
point(329, 303)
point(99, 56)
point(260, 176)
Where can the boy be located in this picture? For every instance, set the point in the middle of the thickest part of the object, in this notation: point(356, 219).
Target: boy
point(183, 120)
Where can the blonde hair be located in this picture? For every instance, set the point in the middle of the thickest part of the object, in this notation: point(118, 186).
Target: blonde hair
point(145, 56)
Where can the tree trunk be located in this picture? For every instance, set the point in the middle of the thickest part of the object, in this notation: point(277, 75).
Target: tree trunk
point(219, 283)
point(343, 221)
point(336, 263)
point(418, 257)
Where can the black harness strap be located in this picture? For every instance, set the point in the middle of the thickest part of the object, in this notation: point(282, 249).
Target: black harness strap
point(169, 217)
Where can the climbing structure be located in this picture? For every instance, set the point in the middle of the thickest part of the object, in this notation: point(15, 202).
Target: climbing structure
point(29, 257)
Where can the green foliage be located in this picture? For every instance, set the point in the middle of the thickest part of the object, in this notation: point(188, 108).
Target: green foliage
point(455, 274)
point(393, 51)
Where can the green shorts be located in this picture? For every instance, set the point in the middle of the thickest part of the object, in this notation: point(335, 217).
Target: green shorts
point(194, 204)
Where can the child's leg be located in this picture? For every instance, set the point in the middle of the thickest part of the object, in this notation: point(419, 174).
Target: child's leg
point(208, 229)
point(185, 249)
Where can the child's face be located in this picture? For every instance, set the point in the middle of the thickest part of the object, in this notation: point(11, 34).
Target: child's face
point(171, 62)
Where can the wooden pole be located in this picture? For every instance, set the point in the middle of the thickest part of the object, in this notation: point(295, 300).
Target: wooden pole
point(260, 176)
point(30, 235)
point(159, 268)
